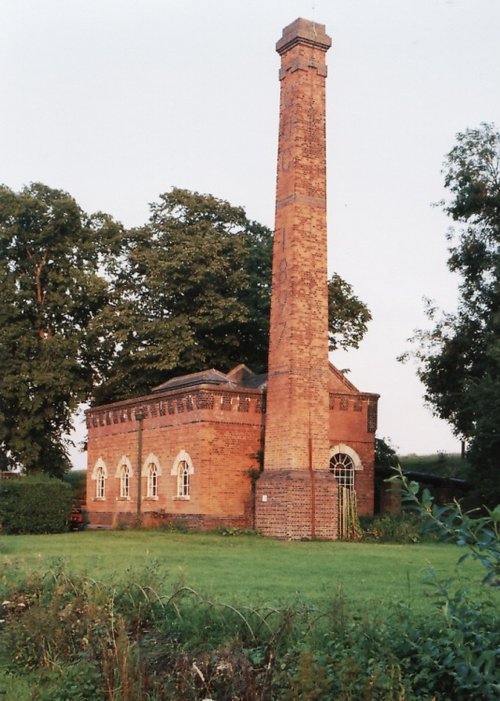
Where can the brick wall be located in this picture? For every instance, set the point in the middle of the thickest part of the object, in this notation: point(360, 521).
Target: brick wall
point(353, 423)
point(310, 407)
point(222, 438)
point(297, 396)
point(297, 504)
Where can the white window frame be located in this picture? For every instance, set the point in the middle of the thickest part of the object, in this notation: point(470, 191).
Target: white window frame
point(125, 482)
point(151, 468)
point(182, 469)
point(183, 479)
point(123, 465)
point(100, 475)
point(152, 487)
point(343, 470)
point(101, 483)
point(347, 450)
point(346, 477)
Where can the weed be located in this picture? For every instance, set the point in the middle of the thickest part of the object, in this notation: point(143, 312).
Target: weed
point(394, 528)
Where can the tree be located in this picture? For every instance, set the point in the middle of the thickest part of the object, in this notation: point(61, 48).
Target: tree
point(193, 291)
point(459, 358)
point(348, 316)
point(52, 343)
point(89, 311)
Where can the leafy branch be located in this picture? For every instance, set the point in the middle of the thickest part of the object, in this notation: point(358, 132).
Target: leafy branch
point(478, 534)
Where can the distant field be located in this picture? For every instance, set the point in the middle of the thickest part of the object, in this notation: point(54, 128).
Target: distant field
point(242, 569)
point(444, 464)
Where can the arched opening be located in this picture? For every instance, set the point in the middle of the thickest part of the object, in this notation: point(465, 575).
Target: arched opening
point(100, 475)
point(100, 483)
point(152, 480)
point(343, 465)
point(125, 482)
point(183, 479)
point(182, 469)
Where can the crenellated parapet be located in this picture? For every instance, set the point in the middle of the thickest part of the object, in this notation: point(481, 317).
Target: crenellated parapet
point(360, 403)
point(208, 402)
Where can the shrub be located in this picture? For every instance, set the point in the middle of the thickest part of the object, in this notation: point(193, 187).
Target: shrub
point(37, 504)
point(77, 479)
point(478, 535)
point(235, 531)
point(393, 528)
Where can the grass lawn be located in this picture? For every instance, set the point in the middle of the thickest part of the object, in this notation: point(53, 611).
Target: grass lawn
point(239, 570)
point(243, 569)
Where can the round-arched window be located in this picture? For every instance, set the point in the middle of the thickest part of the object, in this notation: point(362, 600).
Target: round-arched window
point(342, 466)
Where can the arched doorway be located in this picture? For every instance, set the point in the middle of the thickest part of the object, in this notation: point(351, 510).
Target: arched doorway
point(343, 465)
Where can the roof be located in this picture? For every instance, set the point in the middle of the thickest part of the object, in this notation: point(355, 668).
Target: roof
point(206, 377)
point(240, 376)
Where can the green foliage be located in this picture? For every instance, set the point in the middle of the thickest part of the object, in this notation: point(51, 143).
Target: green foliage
point(478, 535)
point(459, 659)
point(392, 528)
point(35, 504)
point(91, 312)
point(442, 464)
point(385, 454)
point(459, 358)
point(244, 568)
point(235, 531)
point(192, 290)
point(348, 316)
point(133, 642)
point(81, 681)
point(52, 345)
point(175, 526)
point(77, 479)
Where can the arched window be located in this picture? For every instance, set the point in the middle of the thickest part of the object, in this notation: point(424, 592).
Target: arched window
point(182, 469)
point(183, 479)
point(342, 466)
point(100, 477)
point(152, 480)
point(125, 482)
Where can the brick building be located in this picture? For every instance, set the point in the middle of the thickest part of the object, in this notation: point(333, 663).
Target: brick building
point(195, 447)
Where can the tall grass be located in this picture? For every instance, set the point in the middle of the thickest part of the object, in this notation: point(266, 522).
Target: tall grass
point(78, 639)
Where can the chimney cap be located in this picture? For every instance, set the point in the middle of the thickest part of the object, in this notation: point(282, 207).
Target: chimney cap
point(304, 31)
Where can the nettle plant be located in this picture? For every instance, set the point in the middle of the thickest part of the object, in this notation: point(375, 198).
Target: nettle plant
point(459, 656)
point(478, 534)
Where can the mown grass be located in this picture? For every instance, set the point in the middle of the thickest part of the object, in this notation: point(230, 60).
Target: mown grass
point(243, 569)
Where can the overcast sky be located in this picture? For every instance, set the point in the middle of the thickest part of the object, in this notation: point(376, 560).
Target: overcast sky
point(116, 101)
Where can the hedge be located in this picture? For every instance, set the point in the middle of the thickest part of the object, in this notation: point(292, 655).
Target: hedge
point(35, 504)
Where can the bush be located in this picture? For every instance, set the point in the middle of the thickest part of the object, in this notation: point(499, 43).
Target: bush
point(77, 479)
point(393, 528)
point(37, 504)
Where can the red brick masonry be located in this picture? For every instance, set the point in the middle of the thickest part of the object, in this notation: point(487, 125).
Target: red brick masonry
point(215, 425)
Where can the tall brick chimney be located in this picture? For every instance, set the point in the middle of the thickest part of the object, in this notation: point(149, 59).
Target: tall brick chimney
point(296, 486)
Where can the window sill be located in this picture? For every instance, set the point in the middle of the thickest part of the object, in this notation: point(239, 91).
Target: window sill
point(122, 498)
point(178, 498)
point(99, 498)
point(151, 498)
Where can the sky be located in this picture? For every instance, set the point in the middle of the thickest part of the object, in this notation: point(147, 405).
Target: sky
point(117, 101)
